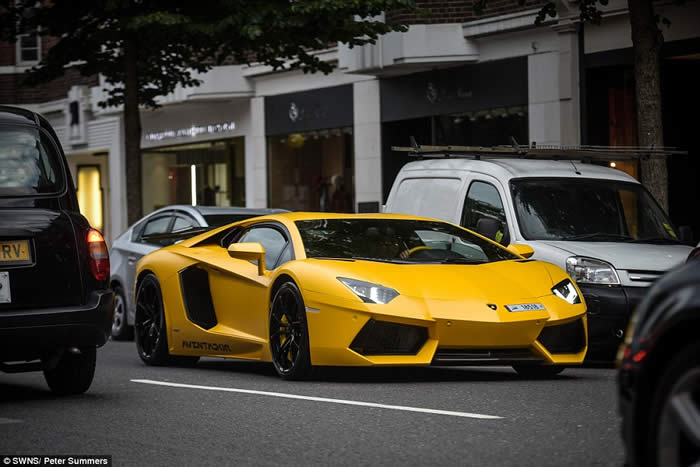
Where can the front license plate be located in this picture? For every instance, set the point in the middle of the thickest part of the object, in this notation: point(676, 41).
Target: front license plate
point(5, 296)
point(15, 252)
point(525, 307)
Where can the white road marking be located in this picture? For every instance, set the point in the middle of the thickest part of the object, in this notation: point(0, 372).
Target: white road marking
point(7, 421)
point(320, 399)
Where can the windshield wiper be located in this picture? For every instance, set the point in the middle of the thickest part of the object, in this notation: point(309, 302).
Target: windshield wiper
point(656, 240)
point(462, 261)
point(332, 258)
point(381, 260)
point(600, 236)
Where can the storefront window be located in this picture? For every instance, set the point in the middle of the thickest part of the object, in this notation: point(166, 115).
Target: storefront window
point(204, 174)
point(311, 171)
point(489, 127)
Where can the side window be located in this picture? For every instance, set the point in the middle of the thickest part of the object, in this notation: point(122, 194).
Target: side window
point(183, 222)
point(484, 202)
point(271, 239)
point(156, 226)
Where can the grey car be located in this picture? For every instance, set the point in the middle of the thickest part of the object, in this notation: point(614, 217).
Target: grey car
point(142, 238)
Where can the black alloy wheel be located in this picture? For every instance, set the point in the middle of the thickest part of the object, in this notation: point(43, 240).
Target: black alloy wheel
point(675, 413)
point(150, 329)
point(289, 338)
point(121, 331)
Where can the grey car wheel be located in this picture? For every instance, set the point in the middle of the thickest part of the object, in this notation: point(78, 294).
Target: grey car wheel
point(120, 326)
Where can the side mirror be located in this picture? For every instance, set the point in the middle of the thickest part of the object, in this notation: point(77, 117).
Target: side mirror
point(519, 249)
point(686, 233)
point(249, 251)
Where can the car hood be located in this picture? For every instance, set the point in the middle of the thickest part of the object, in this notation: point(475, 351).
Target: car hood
point(504, 281)
point(628, 256)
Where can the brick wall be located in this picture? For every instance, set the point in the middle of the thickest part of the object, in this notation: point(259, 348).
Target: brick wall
point(457, 11)
point(13, 91)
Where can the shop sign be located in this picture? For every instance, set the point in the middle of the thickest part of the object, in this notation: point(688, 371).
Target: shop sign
point(193, 131)
point(468, 88)
point(309, 110)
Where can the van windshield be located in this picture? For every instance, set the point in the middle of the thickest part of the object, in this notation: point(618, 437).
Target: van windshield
point(28, 165)
point(589, 210)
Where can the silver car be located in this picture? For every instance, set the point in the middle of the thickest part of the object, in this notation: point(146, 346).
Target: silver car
point(142, 238)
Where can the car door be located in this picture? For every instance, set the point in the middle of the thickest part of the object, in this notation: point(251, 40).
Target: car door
point(239, 293)
point(139, 246)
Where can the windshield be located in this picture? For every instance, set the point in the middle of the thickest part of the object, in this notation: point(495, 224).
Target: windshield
point(28, 165)
point(396, 240)
point(589, 210)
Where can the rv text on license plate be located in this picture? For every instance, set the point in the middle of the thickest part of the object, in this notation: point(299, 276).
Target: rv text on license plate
point(525, 307)
point(15, 252)
point(5, 287)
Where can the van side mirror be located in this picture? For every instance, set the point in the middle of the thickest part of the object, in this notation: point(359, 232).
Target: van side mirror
point(519, 249)
point(249, 251)
point(686, 233)
point(493, 229)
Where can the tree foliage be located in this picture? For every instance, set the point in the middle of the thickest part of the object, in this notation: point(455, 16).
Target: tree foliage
point(176, 38)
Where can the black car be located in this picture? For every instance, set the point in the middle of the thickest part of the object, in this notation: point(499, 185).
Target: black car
point(659, 375)
point(55, 302)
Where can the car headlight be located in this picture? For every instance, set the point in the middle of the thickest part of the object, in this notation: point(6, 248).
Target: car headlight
point(368, 292)
point(591, 271)
point(566, 291)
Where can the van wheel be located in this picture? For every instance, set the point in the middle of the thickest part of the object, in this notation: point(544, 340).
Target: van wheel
point(73, 373)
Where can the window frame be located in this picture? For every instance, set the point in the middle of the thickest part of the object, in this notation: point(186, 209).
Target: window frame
point(19, 49)
point(466, 199)
point(280, 228)
point(160, 215)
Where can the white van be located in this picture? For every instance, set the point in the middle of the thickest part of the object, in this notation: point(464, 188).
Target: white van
point(599, 224)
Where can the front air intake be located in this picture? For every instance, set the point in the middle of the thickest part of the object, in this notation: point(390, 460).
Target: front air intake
point(564, 338)
point(384, 338)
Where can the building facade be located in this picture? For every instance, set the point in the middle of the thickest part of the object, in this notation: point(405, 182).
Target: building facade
point(252, 136)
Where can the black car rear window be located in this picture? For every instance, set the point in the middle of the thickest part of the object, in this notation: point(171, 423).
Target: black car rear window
point(29, 164)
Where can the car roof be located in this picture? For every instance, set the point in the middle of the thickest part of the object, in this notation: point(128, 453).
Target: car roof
point(212, 210)
point(9, 114)
point(506, 169)
point(308, 216)
point(207, 210)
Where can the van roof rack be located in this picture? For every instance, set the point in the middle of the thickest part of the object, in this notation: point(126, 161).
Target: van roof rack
point(547, 152)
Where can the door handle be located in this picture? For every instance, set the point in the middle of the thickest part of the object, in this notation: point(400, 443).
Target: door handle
point(131, 260)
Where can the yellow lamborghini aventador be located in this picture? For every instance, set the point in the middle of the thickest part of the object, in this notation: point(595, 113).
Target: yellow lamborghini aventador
point(305, 289)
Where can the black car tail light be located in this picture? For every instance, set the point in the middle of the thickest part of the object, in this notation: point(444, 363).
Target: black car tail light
point(99, 257)
point(564, 338)
point(384, 338)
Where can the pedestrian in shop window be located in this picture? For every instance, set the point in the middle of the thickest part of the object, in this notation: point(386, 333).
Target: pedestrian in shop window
point(341, 201)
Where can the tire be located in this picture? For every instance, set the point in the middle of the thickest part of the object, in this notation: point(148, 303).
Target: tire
point(538, 371)
point(289, 334)
point(150, 328)
point(121, 331)
point(73, 373)
point(668, 445)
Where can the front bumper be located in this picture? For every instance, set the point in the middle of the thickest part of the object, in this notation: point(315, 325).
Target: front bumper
point(609, 311)
point(458, 333)
point(32, 333)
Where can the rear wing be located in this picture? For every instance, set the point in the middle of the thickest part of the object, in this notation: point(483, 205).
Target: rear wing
point(546, 152)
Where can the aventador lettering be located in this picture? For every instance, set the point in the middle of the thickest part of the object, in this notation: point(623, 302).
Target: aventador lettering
point(206, 346)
